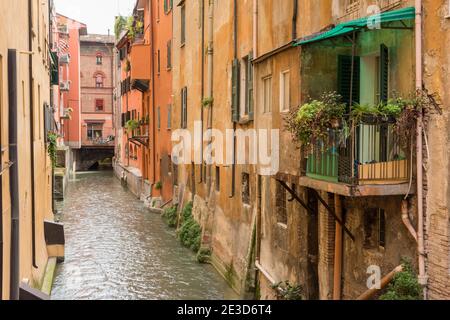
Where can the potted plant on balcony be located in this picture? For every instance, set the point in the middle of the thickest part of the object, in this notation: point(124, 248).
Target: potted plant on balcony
point(132, 125)
point(313, 120)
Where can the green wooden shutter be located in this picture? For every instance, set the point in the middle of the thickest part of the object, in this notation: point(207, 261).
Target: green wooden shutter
point(235, 91)
point(165, 7)
point(344, 78)
point(384, 73)
point(250, 98)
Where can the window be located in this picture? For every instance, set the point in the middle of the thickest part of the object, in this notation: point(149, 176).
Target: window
point(285, 91)
point(184, 115)
point(267, 94)
point(158, 120)
point(218, 179)
point(183, 24)
point(94, 131)
point(246, 188)
point(167, 6)
point(159, 61)
point(242, 88)
point(99, 81)
point(281, 208)
point(169, 117)
point(374, 228)
point(169, 55)
point(99, 59)
point(99, 105)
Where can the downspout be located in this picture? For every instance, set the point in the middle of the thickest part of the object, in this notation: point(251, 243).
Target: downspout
point(32, 137)
point(210, 53)
point(202, 112)
point(235, 49)
point(423, 278)
point(14, 175)
point(407, 221)
point(1, 199)
point(152, 38)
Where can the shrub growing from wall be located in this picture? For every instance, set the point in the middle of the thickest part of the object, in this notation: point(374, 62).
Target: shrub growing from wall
point(190, 232)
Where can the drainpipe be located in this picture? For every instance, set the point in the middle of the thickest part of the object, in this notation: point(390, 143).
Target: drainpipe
point(32, 137)
point(407, 221)
point(423, 278)
point(255, 29)
point(209, 91)
point(338, 254)
point(235, 49)
point(152, 40)
point(14, 175)
point(202, 112)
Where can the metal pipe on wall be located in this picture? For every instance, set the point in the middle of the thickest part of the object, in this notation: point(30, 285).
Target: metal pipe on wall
point(210, 67)
point(32, 137)
point(423, 279)
point(14, 175)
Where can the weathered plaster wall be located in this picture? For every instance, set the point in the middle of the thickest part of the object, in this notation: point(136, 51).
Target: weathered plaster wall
point(437, 80)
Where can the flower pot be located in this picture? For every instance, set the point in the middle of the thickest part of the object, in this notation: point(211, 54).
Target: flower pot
point(335, 123)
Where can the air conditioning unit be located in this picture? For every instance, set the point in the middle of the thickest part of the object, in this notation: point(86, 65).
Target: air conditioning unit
point(63, 29)
point(64, 59)
point(64, 86)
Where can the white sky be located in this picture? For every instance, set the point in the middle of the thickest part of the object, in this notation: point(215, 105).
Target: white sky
point(98, 15)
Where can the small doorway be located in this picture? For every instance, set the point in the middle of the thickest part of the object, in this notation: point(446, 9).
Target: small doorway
point(313, 247)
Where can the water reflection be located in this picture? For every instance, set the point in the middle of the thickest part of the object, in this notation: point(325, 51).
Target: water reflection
point(116, 249)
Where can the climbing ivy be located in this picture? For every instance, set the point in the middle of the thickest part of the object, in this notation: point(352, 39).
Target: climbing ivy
point(404, 286)
point(190, 232)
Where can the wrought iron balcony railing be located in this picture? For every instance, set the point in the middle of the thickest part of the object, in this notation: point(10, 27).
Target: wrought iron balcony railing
point(371, 154)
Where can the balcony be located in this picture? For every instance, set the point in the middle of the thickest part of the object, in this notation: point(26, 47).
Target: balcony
point(376, 157)
point(98, 142)
point(368, 161)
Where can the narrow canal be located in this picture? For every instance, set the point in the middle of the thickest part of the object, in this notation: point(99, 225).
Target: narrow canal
point(116, 249)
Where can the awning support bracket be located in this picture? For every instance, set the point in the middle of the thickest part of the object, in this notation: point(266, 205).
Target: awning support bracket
point(311, 211)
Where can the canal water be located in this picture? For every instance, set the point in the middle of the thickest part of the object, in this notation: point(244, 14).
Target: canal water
point(116, 249)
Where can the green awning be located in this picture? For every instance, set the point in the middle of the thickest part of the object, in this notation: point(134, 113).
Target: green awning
point(348, 27)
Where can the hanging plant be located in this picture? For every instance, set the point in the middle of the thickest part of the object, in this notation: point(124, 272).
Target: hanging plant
point(158, 185)
point(207, 102)
point(313, 120)
point(52, 147)
point(132, 125)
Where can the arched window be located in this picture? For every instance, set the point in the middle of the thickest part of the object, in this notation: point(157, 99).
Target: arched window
point(99, 59)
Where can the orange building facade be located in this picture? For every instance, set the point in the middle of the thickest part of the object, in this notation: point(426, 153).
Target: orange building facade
point(143, 153)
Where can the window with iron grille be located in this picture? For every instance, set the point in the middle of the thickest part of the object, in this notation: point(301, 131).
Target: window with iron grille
point(246, 188)
point(374, 228)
